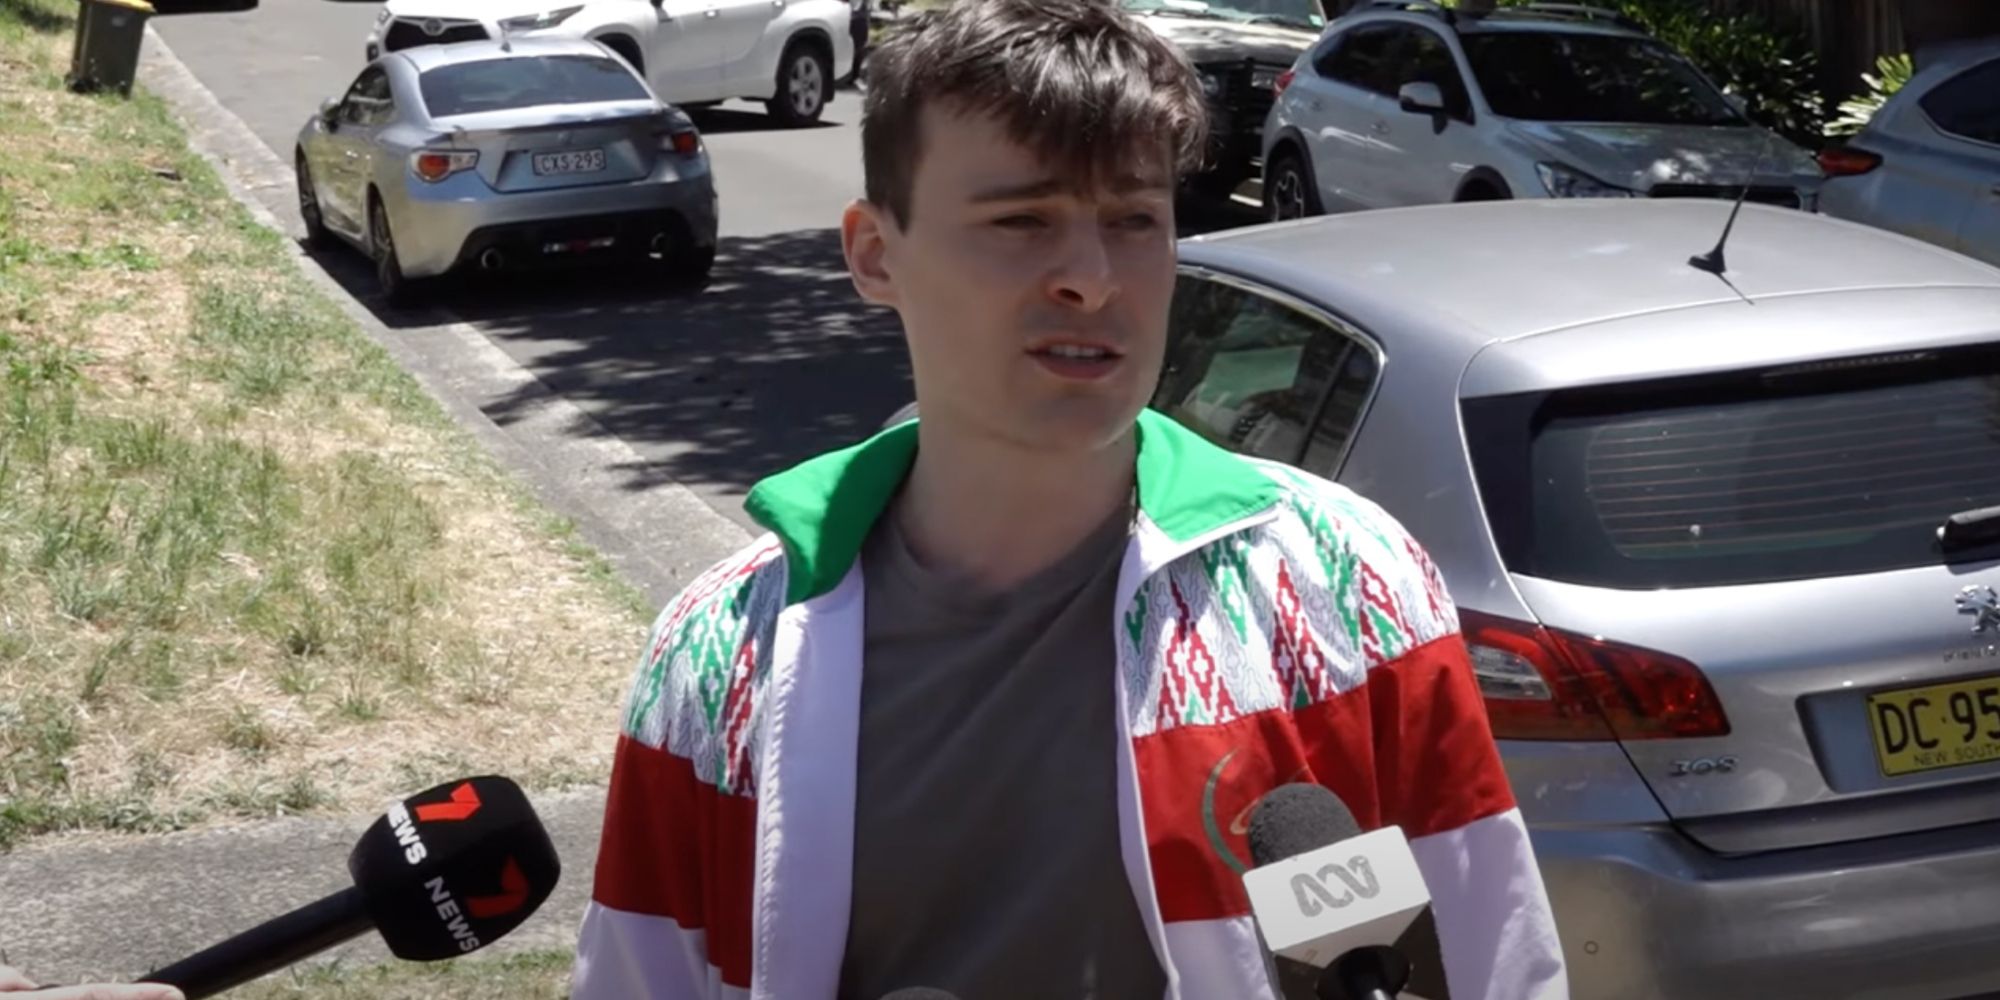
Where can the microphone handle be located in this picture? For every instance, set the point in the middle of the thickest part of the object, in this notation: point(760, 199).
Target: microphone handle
point(1373, 973)
point(269, 946)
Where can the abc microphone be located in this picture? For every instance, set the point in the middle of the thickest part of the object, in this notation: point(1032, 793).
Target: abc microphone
point(1329, 896)
point(442, 873)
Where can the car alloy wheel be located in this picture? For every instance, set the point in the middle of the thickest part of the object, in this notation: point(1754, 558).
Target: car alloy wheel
point(1288, 192)
point(388, 268)
point(309, 212)
point(805, 86)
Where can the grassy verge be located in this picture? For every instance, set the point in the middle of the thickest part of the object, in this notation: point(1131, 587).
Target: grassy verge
point(542, 975)
point(246, 566)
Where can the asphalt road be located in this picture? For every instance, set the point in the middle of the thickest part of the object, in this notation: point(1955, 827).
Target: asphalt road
point(775, 361)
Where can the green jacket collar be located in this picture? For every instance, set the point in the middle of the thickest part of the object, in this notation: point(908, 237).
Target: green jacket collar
point(822, 509)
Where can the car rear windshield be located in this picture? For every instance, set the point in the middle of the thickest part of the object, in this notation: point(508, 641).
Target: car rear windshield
point(1785, 475)
point(507, 84)
point(1573, 77)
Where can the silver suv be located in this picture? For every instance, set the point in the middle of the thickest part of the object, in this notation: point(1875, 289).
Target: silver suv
point(1412, 103)
point(1725, 547)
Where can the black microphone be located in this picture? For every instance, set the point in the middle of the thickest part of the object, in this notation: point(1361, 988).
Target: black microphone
point(919, 993)
point(1335, 905)
point(442, 873)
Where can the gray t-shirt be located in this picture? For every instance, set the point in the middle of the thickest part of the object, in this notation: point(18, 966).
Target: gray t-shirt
point(986, 857)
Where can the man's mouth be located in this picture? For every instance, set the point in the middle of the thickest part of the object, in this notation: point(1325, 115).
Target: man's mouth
point(1072, 360)
point(1078, 351)
point(1084, 350)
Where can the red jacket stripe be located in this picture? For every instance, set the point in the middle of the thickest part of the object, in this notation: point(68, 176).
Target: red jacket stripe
point(676, 847)
point(1202, 782)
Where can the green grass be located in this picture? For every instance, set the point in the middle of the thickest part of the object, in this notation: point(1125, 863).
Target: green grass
point(227, 518)
point(533, 975)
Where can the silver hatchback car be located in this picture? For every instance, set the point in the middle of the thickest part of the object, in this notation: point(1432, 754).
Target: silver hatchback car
point(1928, 162)
point(499, 155)
point(1725, 546)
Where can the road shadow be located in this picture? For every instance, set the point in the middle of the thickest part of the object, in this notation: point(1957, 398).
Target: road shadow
point(176, 8)
point(1194, 216)
point(730, 121)
point(777, 359)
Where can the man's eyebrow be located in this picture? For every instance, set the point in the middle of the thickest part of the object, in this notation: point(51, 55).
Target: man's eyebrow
point(1125, 184)
point(1020, 192)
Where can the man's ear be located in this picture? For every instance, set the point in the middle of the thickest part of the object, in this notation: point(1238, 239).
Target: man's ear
point(865, 230)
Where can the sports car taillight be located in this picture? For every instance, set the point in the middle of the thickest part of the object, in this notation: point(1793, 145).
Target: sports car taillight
point(433, 165)
point(1541, 683)
point(685, 141)
point(1284, 80)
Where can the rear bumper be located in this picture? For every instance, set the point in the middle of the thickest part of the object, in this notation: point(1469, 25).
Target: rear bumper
point(1644, 913)
point(439, 226)
point(576, 240)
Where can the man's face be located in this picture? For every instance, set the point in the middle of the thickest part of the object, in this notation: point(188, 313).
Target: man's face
point(1036, 314)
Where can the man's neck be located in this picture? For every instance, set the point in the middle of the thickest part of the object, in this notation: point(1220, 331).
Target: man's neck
point(997, 514)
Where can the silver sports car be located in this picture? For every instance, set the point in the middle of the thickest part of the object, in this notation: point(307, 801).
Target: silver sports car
point(505, 154)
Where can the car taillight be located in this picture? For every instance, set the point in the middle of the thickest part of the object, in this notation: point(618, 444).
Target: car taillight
point(1284, 80)
point(1541, 683)
point(686, 141)
point(1846, 161)
point(434, 165)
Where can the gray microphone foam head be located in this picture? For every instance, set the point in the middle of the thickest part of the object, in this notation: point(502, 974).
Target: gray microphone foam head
point(1293, 819)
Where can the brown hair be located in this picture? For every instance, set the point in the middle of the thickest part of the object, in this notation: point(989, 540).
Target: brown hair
point(1080, 81)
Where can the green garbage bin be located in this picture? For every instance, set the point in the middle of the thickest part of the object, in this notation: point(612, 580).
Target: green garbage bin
point(108, 33)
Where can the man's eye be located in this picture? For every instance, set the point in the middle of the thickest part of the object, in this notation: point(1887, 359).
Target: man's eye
point(1141, 221)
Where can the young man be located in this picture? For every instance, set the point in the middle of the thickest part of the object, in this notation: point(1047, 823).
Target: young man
point(987, 707)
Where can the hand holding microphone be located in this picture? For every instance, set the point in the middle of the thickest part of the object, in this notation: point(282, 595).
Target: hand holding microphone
point(442, 873)
point(1336, 899)
point(18, 987)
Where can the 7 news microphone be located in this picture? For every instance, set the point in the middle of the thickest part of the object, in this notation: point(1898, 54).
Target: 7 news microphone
point(1350, 908)
point(441, 873)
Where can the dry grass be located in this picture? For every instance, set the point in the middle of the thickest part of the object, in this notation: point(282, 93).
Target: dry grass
point(527, 976)
point(246, 567)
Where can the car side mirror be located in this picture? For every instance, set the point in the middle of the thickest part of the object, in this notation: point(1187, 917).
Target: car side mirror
point(1737, 101)
point(329, 112)
point(1421, 98)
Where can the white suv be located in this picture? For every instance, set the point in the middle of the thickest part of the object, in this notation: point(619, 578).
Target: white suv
point(1413, 103)
point(786, 53)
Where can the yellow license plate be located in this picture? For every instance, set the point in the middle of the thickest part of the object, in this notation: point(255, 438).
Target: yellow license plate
point(1945, 725)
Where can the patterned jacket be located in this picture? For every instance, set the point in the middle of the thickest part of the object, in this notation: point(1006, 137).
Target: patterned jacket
point(1273, 627)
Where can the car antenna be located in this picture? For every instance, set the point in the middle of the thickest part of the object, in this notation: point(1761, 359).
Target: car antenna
point(1713, 261)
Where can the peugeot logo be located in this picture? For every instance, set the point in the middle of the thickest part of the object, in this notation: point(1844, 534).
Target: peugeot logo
point(1983, 604)
point(433, 27)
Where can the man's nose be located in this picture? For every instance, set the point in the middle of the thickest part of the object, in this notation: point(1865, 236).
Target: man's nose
point(1081, 274)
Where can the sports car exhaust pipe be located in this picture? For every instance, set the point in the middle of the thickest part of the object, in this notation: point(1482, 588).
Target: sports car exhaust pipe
point(491, 260)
